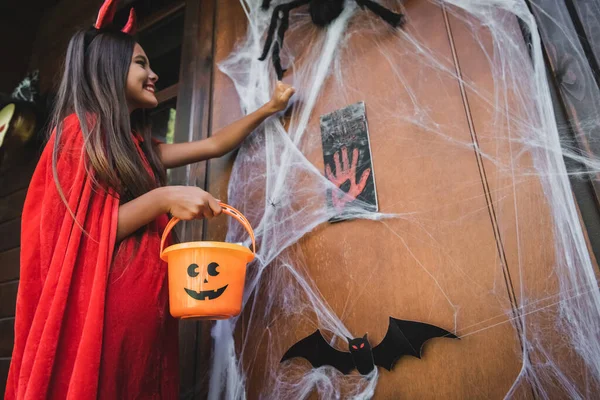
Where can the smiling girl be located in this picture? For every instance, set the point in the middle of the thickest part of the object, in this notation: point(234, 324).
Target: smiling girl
point(92, 317)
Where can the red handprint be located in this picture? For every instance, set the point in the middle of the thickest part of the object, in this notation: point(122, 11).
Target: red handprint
point(346, 172)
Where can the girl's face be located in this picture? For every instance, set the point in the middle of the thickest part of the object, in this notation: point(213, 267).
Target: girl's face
point(140, 81)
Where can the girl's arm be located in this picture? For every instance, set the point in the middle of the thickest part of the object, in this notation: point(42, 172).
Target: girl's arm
point(228, 138)
point(183, 202)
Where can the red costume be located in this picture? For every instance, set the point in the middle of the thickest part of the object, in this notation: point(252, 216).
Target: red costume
point(92, 317)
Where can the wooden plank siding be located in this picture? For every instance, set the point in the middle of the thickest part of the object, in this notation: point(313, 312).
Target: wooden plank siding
point(14, 180)
point(9, 264)
point(4, 365)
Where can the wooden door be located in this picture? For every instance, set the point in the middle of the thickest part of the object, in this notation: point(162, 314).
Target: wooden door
point(472, 248)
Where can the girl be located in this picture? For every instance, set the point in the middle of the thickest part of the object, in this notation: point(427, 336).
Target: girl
point(92, 317)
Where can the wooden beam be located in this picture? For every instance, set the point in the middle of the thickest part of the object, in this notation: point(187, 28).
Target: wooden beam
point(586, 20)
point(230, 26)
point(192, 123)
point(152, 19)
point(167, 93)
point(583, 189)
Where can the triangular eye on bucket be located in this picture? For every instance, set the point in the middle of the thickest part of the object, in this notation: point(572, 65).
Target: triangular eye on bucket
point(107, 14)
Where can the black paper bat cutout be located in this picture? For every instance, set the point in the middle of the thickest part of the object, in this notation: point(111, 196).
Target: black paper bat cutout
point(402, 338)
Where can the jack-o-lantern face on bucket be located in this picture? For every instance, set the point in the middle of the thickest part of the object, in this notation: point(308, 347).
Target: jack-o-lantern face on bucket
point(193, 272)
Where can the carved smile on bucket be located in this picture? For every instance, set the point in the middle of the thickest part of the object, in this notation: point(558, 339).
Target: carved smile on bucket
point(206, 294)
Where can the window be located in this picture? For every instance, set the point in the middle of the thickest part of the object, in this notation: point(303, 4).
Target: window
point(160, 33)
point(163, 120)
point(162, 44)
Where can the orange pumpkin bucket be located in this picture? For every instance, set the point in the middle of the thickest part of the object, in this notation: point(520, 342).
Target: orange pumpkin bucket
point(206, 279)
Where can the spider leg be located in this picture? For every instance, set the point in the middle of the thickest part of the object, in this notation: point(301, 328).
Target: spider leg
point(285, 11)
point(283, 26)
point(270, 33)
point(392, 18)
point(277, 62)
point(265, 4)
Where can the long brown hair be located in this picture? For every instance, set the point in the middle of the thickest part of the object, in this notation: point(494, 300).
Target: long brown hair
point(93, 87)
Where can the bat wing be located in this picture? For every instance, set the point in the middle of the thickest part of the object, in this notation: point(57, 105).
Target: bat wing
point(318, 352)
point(405, 338)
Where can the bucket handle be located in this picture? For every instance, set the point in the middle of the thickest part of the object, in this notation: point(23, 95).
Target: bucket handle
point(227, 209)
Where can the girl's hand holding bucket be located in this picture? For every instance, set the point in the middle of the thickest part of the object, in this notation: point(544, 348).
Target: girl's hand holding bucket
point(189, 202)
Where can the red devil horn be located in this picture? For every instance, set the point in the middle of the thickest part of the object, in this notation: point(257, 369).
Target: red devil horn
point(130, 27)
point(106, 14)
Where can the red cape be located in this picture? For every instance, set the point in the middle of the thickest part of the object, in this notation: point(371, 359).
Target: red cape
point(90, 322)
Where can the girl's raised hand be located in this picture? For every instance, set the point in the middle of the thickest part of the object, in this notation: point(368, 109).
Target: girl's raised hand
point(281, 96)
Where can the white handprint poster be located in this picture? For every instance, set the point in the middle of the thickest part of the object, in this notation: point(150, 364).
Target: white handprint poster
point(347, 157)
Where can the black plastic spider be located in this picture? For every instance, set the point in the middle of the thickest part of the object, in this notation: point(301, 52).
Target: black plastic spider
point(322, 13)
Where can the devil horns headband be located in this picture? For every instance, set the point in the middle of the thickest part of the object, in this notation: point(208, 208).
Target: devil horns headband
point(105, 19)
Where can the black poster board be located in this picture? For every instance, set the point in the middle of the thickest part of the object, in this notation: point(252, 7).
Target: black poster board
point(347, 157)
